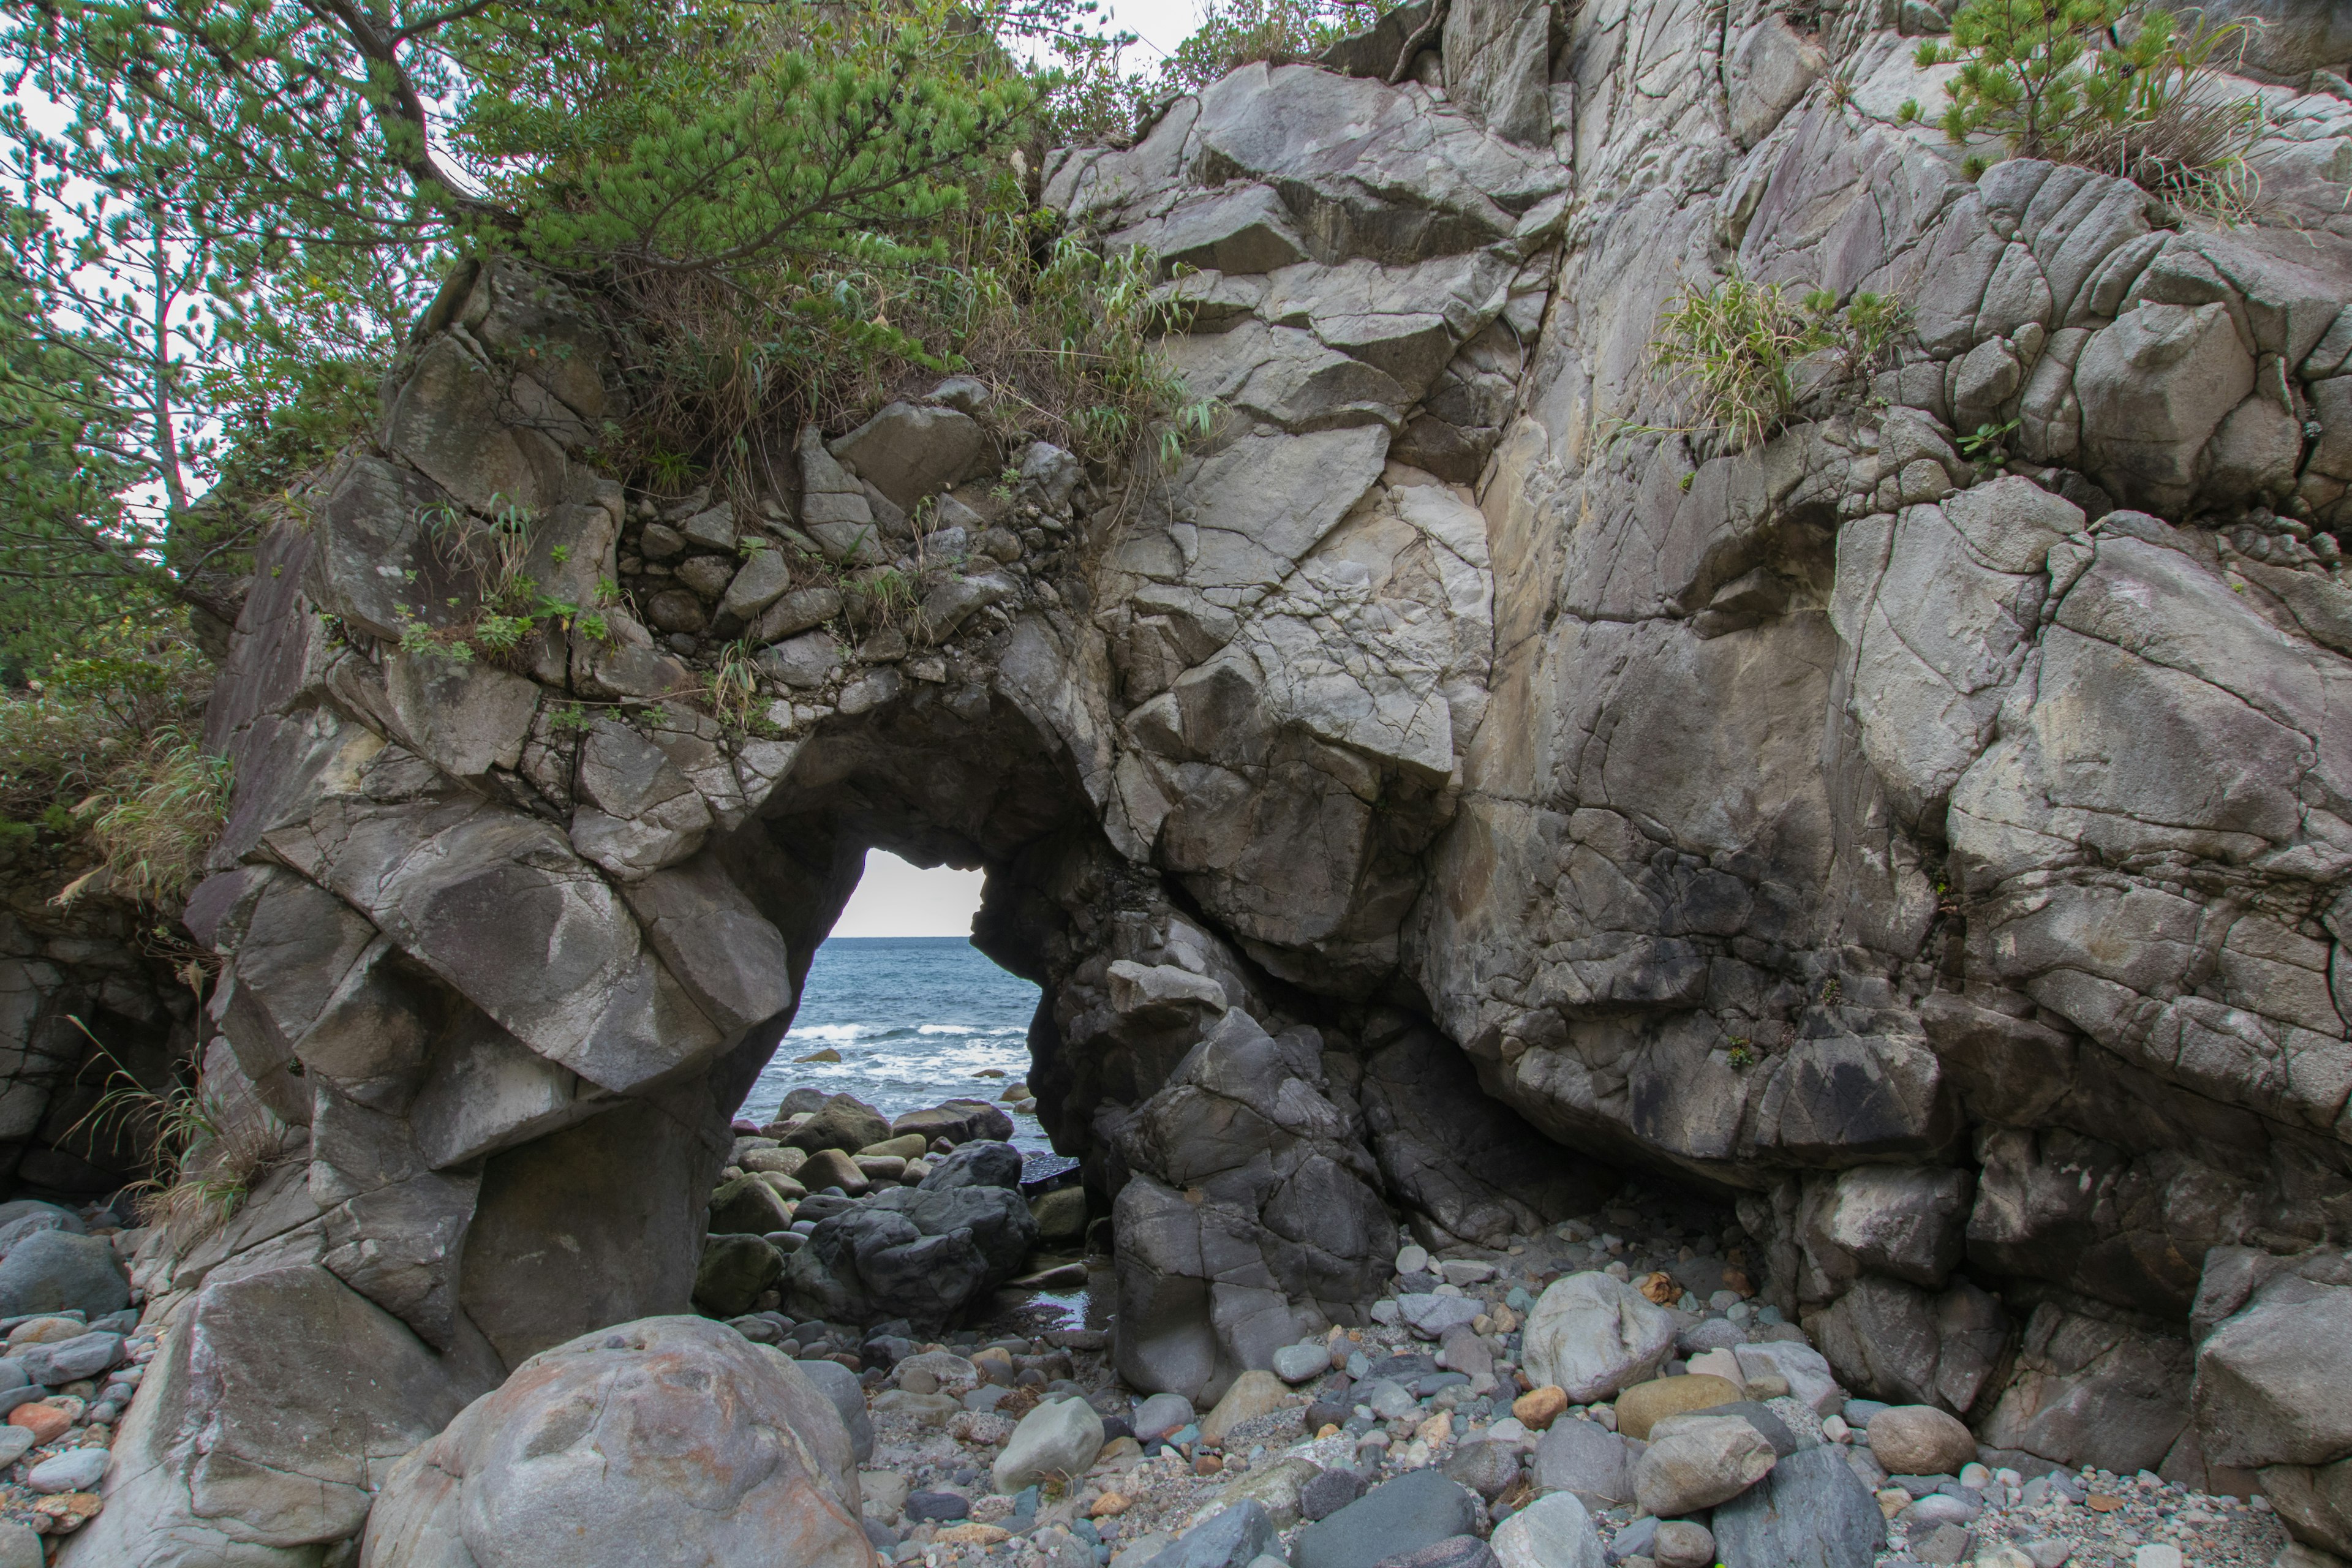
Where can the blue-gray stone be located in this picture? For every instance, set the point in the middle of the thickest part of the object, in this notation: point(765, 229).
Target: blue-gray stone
point(61, 1362)
point(1232, 1539)
point(55, 1268)
point(1417, 1510)
point(1811, 1512)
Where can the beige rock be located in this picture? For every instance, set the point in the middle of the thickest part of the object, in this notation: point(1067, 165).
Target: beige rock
point(1255, 1392)
point(1642, 1405)
point(1538, 1408)
point(1702, 1462)
point(1920, 1440)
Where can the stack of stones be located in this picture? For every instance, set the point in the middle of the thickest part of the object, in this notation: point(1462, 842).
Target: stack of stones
point(883, 1187)
point(76, 1355)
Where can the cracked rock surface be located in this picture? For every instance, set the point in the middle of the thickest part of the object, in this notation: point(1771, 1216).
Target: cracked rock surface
point(1437, 796)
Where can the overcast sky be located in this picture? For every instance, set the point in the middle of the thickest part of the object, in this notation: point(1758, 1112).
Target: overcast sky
point(1160, 23)
point(894, 899)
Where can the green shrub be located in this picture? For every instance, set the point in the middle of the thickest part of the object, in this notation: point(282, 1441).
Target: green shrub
point(2058, 79)
point(1738, 350)
point(99, 758)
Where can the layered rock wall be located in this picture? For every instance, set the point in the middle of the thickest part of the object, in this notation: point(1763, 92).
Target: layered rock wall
point(1437, 790)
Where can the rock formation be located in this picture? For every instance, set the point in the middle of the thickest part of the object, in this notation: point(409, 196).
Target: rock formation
point(1436, 792)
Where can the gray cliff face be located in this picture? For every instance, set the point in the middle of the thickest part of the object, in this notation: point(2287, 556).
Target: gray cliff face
point(1425, 798)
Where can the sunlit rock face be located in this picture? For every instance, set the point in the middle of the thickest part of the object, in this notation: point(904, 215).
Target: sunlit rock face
point(1437, 792)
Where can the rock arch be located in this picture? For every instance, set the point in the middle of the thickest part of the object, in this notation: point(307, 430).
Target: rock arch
point(1945, 865)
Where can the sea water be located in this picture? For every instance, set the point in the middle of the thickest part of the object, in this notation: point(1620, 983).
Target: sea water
point(917, 1020)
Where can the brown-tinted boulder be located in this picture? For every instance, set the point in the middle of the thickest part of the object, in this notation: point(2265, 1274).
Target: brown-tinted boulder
point(843, 1123)
point(666, 1440)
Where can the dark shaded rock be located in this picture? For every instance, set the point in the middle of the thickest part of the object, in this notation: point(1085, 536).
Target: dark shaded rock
point(840, 1385)
point(1488, 1469)
point(957, 1120)
point(911, 1253)
point(932, 1507)
point(1325, 1492)
point(1232, 1539)
point(1449, 1151)
point(981, 1165)
point(1811, 1512)
point(733, 1271)
point(52, 1270)
point(1406, 1514)
point(746, 1206)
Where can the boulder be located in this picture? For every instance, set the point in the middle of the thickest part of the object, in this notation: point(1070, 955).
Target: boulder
point(1252, 1393)
point(1645, 1402)
point(843, 1123)
point(61, 1362)
point(1587, 1458)
point(1552, 1532)
point(21, 1217)
point(746, 1206)
point(613, 1449)
point(840, 1385)
point(279, 1400)
point(1682, 1543)
point(1431, 1316)
point(957, 1120)
point(1811, 1512)
point(1592, 1335)
point(1488, 1468)
point(1230, 1538)
point(1454, 1551)
point(56, 1270)
point(1804, 1369)
point(1277, 1488)
point(1416, 1510)
point(1160, 1414)
point(910, 451)
point(831, 1168)
point(1705, 1460)
point(1920, 1440)
point(1298, 1362)
point(1059, 1438)
point(734, 1271)
point(1325, 1492)
point(910, 1252)
point(976, 1164)
point(1061, 1216)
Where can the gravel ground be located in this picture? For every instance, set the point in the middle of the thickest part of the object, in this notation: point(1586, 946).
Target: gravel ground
point(2087, 1519)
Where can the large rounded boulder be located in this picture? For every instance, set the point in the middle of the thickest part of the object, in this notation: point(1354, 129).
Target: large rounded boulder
point(663, 1442)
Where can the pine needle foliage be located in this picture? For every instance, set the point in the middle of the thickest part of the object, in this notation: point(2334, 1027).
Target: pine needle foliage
point(2104, 85)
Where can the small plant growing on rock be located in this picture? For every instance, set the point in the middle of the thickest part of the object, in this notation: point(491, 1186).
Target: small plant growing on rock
point(208, 1150)
point(1744, 354)
point(1987, 446)
point(734, 685)
point(2102, 85)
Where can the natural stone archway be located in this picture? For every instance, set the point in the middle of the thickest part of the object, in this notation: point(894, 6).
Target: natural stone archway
point(1423, 790)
